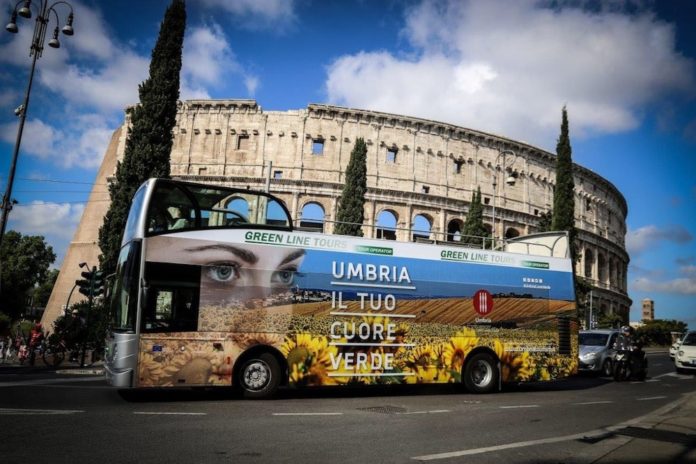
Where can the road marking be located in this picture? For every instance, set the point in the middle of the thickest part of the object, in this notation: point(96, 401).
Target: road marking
point(593, 402)
point(153, 413)
point(651, 398)
point(436, 411)
point(36, 412)
point(520, 406)
point(307, 413)
point(675, 375)
point(655, 415)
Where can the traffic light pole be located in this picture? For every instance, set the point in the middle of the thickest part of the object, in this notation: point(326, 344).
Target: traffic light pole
point(90, 297)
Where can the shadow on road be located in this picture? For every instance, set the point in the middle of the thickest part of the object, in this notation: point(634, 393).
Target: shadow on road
point(220, 393)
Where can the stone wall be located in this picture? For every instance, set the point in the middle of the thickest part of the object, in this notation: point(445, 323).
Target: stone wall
point(415, 167)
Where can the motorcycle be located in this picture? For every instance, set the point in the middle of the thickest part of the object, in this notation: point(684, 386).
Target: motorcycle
point(630, 364)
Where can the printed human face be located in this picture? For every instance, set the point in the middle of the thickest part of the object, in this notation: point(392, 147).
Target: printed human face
point(246, 273)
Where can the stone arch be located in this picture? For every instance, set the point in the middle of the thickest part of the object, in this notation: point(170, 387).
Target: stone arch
point(601, 268)
point(454, 230)
point(312, 217)
point(511, 232)
point(422, 226)
point(589, 263)
point(387, 219)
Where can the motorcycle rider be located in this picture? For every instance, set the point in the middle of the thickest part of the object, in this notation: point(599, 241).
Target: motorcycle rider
point(636, 357)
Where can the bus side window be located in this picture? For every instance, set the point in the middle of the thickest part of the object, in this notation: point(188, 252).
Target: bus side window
point(171, 310)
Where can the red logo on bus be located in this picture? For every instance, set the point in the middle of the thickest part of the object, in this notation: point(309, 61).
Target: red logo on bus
point(483, 302)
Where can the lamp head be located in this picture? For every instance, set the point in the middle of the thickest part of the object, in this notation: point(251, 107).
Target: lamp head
point(68, 29)
point(25, 11)
point(510, 180)
point(12, 25)
point(83, 265)
point(54, 42)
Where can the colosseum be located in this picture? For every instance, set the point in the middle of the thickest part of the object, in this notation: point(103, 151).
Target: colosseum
point(421, 175)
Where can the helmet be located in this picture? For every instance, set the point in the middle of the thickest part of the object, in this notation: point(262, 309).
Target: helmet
point(626, 329)
point(75, 311)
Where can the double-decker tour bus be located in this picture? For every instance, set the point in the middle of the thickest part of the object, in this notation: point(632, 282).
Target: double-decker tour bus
point(215, 287)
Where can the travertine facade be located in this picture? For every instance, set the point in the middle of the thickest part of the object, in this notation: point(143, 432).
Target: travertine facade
point(416, 169)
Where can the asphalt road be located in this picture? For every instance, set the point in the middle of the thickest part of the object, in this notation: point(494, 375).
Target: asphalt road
point(54, 418)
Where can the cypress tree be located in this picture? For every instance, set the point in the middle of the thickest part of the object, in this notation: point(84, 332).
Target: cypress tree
point(351, 209)
point(544, 223)
point(563, 217)
point(474, 229)
point(149, 141)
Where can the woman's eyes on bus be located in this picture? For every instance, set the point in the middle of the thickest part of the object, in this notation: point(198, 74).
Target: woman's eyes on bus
point(224, 272)
point(283, 277)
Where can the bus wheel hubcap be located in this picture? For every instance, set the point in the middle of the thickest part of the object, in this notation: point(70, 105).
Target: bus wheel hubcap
point(257, 375)
point(482, 374)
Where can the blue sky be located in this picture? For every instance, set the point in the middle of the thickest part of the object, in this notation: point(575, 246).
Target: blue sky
point(625, 69)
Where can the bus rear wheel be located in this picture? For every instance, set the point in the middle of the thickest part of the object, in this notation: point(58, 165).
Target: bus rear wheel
point(480, 374)
point(259, 376)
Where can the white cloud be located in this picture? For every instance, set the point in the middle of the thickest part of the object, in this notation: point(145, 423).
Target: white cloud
point(110, 86)
point(52, 220)
point(55, 221)
point(509, 67)
point(39, 138)
point(683, 286)
point(640, 240)
point(258, 14)
point(81, 143)
point(251, 83)
point(208, 61)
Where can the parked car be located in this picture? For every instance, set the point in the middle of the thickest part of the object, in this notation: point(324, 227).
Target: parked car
point(685, 358)
point(675, 346)
point(597, 351)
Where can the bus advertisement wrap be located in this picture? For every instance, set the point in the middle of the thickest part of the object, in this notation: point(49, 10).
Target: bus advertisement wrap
point(346, 311)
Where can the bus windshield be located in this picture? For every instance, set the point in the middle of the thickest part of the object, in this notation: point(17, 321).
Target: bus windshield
point(179, 206)
point(124, 294)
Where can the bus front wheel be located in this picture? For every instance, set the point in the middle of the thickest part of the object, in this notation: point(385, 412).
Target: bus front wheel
point(259, 376)
point(481, 373)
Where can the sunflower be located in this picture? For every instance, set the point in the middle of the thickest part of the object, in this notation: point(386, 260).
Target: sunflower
point(455, 351)
point(422, 362)
point(309, 359)
point(514, 365)
point(247, 340)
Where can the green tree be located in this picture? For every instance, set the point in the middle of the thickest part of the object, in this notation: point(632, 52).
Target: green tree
point(609, 321)
point(659, 331)
point(149, 141)
point(474, 230)
point(563, 217)
point(351, 206)
point(545, 219)
point(25, 262)
point(43, 292)
point(92, 333)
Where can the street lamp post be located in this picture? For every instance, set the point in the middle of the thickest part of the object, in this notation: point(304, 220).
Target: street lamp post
point(42, 19)
point(510, 180)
